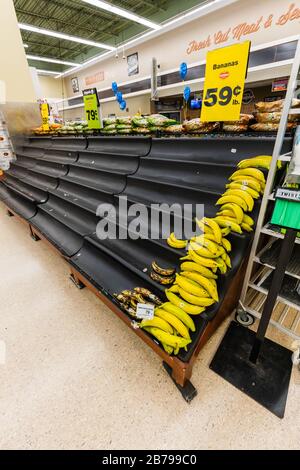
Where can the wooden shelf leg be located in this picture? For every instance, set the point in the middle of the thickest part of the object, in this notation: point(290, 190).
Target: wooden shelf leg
point(180, 376)
point(76, 281)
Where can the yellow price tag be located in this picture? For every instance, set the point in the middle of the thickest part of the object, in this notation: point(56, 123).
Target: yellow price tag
point(91, 107)
point(45, 116)
point(225, 74)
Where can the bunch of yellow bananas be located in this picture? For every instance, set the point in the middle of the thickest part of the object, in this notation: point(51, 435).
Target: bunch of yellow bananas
point(175, 242)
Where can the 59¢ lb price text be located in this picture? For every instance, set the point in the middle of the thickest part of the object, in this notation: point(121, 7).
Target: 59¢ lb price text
point(222, 96)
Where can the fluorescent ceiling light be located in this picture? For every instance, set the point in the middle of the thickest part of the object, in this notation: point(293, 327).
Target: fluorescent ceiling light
point(46, 72)
point(50, 60)
point(25, 45)
point(67, 37)
point(124, 13)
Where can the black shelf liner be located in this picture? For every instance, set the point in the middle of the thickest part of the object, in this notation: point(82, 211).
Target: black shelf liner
point(288, 289)
point(102, 181)
point(22, 206)
point(112, 163)
point(32, 193)
point(120, 145)
point(60, 156)
point(69, 143)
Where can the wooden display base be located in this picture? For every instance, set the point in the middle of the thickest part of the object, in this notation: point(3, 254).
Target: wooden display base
point(179, 371)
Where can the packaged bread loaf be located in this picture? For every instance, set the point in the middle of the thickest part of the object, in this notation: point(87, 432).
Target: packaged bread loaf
point(274, 106)
point(175, 129)
point(244, 119)
point(270, 126)
point(235, 127)
point(275, 117)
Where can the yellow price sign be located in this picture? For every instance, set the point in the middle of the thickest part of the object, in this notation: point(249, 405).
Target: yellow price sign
point(225, 74)
point(45, 116)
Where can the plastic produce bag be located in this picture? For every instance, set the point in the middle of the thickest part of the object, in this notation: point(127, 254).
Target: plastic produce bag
point(110, 127)
point(235, 127)
point(159, 120)
point(108, 121)
point(275, 117)
point(270, 126)
point(175, 129)
point(140, 121)
point(123, 126)
point(274, 106)
point(141, 130)
point(124, 120)
point(244, 119)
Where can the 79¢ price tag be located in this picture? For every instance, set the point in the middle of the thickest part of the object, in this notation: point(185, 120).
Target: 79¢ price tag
point(91, 105)
point(225, 74)
point(145, 311)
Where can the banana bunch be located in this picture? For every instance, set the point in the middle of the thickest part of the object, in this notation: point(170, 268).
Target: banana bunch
point(170, 325)
point(164, 276)
point(175, 242)
point(128, 299)
point(261, 161)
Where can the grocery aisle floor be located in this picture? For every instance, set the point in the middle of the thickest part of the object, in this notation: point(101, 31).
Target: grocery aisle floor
point(76, 378)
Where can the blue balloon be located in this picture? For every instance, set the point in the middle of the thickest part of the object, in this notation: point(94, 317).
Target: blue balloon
point(123, 105)
point(119, 97)
point(187, 93)
point(114, 87)
point(183, 70)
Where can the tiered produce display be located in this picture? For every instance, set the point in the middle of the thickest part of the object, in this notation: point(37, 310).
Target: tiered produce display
point(208, 255)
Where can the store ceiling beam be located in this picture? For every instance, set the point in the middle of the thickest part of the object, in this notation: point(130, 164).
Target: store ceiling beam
point(123, 13)
point(64, 22)
point(50, 60)
point(65, 36)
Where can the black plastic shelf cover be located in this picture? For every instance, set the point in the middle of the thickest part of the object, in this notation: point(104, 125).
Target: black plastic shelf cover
point(63, 238)
point(51, 169)
point(102, 181)
point(120, 145)
point(121, 164)
point(35, 194)
point(77, 219)
point(41, 142)
point(61, 156)
point(228, 150)
point(19, 204)
point(26, 162)
point(31, 152)
point(39, 180)
point(69, 143)
point(84, 197)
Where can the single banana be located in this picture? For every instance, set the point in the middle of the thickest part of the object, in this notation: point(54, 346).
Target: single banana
point(193, 299)
point(228, 223)
point(248, 181)
point(207, 262)
point(222, 266)
point(165, 281)
point(157, 322)
point(162, 271)
point(191, 266)
point(248, 220)
point(167, 338)
point(242, 194)
point(148, 294)
point(225, 231)
point(236, 185)
point(232, 199)
point(225, 257)
point(174, 288)
point(202, 251)
point(226, 213)
point(204, 282)
point(203, 227)
point(173, 321)
point(181, 314)
point(215, 228)
point(187, 307)
point(262, 161)
point(246, 227)
point(207, 242)
point(179, 244)
point(252, 172)
point(238, 211)
point(226, 244)
point(202, 292)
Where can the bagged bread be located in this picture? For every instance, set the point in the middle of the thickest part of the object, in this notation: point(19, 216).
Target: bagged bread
point(274, 106)
point(244, 119)
point(270, 126)
point(175, 129)
point(235, 127)
point(275, 117)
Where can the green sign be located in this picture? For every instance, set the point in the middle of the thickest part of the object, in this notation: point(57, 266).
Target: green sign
point(287, 208)
point(91, 107)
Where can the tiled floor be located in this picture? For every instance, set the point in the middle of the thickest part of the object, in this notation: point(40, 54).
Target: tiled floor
point(76, 378)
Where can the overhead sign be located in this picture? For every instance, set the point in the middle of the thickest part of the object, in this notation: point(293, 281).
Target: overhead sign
point(45, 116)
point(91, 107)
point(226, 70)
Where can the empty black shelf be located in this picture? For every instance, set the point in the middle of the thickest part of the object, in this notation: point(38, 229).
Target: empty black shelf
point(41, 142)
point(101, 181)
point(51, 169)
point(60, 156)
point(32, 193)
point(77, 219)
point(26, 162)
point(63, 238)
point(69, 143)
point(39, 180)
point(31, 152)
point(81, 196)
point(4, 192)
point(120, 145)
point(19, 204)
point(228, 150)
point(122, 164)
